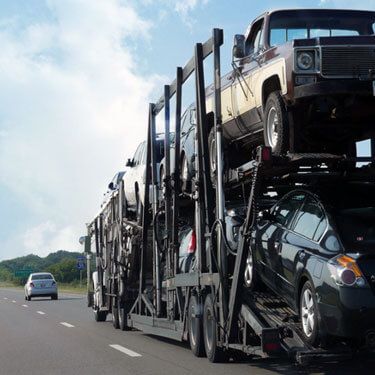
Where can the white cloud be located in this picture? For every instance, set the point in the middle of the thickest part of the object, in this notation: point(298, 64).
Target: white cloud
point(72, 109)
point(47, 235)
point(185, 7)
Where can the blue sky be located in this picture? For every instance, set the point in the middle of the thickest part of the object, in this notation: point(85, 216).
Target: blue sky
point(76, 77)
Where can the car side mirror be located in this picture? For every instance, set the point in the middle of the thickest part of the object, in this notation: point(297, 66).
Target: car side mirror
point(112, 186)
point(238, 46)
point(129, 163)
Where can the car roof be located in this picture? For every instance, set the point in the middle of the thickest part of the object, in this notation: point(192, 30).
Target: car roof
point(41, 273)
point(276, 10)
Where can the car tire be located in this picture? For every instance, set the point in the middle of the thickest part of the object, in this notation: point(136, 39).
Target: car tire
point(250, 275)
point(276, 124)
point(139, 209)
point(195, 327)
point(210, 329)
point(100, 316)
point(122, 317)
point(115, 317)
point(54, 297)
point(212, 155)
point(185, 180)
point(309, 314)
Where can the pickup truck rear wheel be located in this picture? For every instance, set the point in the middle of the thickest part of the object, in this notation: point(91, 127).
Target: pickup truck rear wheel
point(276, 124)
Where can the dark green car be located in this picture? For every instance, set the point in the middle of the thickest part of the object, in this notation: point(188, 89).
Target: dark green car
point(316, 248)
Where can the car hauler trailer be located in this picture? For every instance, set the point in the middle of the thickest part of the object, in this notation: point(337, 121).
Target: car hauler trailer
point(138, 278)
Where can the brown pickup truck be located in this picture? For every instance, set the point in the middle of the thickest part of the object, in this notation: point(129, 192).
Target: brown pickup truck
point(302, 80)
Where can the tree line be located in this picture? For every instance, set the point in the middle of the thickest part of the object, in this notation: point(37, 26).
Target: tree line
point(62, 264)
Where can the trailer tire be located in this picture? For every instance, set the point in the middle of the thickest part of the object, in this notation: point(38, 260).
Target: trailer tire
point(122, 317)
point(276, 124)
point(195, 327)
point(115, 316)
point(210, 330)
point(100, 316)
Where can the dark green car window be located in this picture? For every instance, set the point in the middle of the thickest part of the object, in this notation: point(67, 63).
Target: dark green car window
point(310, 221)
point(285, 210)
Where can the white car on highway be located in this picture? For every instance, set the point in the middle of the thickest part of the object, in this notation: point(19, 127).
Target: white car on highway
point(41, 284)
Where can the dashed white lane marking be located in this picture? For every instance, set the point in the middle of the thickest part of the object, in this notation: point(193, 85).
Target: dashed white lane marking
point(25, 306)
point(67, 324)
point(5, 298)
point(129, 352)
point(14, 301)
point(41, 312)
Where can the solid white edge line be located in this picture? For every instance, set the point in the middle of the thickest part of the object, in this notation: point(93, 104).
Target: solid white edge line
point(41, 312)
point(126, 351)
point(67, 324)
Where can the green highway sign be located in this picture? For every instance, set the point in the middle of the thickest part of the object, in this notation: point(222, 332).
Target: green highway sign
point(22, 273)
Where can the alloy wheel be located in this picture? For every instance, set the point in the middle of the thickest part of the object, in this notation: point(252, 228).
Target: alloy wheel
point(308, 313)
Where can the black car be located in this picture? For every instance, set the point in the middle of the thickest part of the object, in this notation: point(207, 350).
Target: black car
point(316, 249)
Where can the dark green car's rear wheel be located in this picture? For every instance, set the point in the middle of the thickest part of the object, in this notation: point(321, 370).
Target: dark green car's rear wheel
point(309, 314)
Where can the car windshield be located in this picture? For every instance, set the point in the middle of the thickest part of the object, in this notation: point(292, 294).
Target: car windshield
point(301, 24)
point(353, 209)
point(43, 276)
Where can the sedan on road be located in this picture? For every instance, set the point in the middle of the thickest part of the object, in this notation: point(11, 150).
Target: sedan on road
point(316, 249)
point(41, 284)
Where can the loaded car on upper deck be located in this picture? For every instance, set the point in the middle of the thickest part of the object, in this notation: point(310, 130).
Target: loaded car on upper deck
point(303, 80)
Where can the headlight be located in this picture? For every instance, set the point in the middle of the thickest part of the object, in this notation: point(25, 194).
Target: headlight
point(345, 271)
point(305, 60)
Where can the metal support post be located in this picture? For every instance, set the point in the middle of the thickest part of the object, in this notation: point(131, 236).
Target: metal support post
point(220, 200)
point(146, 212)
point(176, 170)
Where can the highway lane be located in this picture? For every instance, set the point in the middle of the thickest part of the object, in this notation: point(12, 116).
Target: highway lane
point(61, 337)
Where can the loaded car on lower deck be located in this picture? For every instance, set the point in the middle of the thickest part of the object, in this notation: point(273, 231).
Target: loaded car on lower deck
point(316, 249)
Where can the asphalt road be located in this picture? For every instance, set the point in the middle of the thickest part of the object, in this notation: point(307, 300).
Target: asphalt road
point(61, 337)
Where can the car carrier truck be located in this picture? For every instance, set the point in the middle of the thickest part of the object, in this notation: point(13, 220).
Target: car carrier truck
point(139, 278)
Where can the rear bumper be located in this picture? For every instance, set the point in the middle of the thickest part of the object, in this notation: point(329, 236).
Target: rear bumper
point(352, 315)
point(39, 292)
